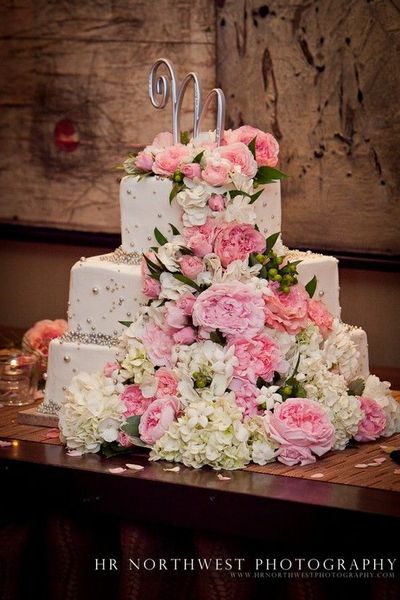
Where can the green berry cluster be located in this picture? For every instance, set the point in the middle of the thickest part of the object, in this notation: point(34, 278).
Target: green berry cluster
point(273, 271)
point(177, 177)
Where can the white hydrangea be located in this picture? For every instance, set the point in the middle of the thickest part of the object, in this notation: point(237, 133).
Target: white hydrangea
point(170, 252)
point(380, 392)
point(210, 432)
point(262, 448)
point(241, 182)
point(194, 202)
point(237, 270)
point(136, 364)
point(239, 209)
point(340, 352)
point(91, 413)
point(269, 397)
point(171, 288)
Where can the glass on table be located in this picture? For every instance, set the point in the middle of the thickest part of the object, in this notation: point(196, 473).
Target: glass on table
point(19, 377)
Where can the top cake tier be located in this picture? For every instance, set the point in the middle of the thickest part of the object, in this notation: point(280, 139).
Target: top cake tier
point(145, 205)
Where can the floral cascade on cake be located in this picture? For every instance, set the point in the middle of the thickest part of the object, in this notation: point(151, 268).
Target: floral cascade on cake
point(231, 360)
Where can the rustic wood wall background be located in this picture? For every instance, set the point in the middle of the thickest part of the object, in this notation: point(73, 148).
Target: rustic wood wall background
point(322, 75)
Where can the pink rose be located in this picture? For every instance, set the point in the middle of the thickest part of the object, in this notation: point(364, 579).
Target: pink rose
point(200, 238)
point(167, 384)
point(301, 422)
point(216, 171)
point(235, 241)
point(233, 308)
point(287, 312)
point(134, 401)
point(373, 424)
point(293, 455)
point(185, 336)
point(163, 139)
point(167, 161)
point(239, 155)
point(191, 266)
point(157, 418)
point(144, 161)
point(185, 303)
point(258, 357)
point(216, 202)
point(124, 440)
point(109, 368)
point(321, 316)
point(158, 345)
point(40, 335)
point(245, 396)
point(191, 170)
point(267, 148)
point(174, 316)
point(150, 287)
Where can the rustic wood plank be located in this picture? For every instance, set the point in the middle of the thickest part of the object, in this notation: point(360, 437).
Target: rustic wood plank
point(324, 78)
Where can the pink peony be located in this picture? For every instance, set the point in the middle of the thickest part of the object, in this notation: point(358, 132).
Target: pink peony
point(216, 202)
point(191, 170)
point(158, 345)
point(185, 336)
point(293, 455)
point(124, 440)
point(144, 161)
point(267, 148)
point(373, 424)
point(109, 368)
point(200, 238)
point(233, 308)
point(191, 266)
point(258, 357)
point(150, 287)
point(216, 171)
point(235, 241)
point(245, 396)
point(321, 316)
point(157, 418)
point(239, 155)
point(186, 302)
point(301, 422)
point(135, 402)
point(40, 335)
point(174, 316)
point(287, 312)
point(163, 139)
point(167, 384)
point(167, 161)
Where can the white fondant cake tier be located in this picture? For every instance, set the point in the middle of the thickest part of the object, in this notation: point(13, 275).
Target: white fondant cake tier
point(145, 205)
point(66, 359)
point(103, 292)
point(325, 268)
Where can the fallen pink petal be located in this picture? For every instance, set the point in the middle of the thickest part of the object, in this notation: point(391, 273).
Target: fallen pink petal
point(133, 467)
point(74, 453)
point(4, 444)
point(117, 470)
point(361, 466)
point(317, 476)
point(223, 477)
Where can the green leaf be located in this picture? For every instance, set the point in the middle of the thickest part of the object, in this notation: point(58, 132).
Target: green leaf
point(268, 175)
point(176, 188)
point(174, 230)
point(263, 272)
point(234, 193)
point(138, 442)
point(197, 159)
point(271, 240)
point(185, 137)
point(252, 147)
point(186, 280)
point(311, 286)
point(161, 239)
point(110, 449)
point(217, 337)
point(261, 383)
point(131, 427)
point(186, 251)
point(256, 227)
point(255, 196)
point(356, 387)
point(153, 267)
point(126, 323)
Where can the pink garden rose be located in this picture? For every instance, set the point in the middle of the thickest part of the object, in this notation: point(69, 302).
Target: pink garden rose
point(245, 396)
point(174, 316)
point(216, 171)
point(150, 287)
point(167, 384)
point(216, 202)
point(267, 148)
point(321, 316)
point(134, 401)
point(158, 345)
point(40, 335)
point(185, 336)
point(200, 238)
point(236, 309)
point(163, 140)
point(109, 368)
point(191, 170)
point(124, 440)
point(186, 302)
point(157, 418)
point(235, 241)
point(287, 312)
point(168, 160)
point(258, 357)
point(373, 424)
point(191, 266)
point(300, 422)
point(144, 161)
point(239, 155)
point(293, 455)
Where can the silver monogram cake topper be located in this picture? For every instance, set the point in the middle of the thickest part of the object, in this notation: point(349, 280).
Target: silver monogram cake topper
point(160, 88)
